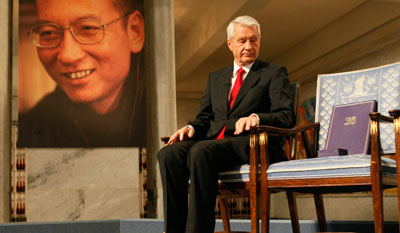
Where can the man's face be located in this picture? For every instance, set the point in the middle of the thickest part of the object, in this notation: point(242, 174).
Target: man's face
point(245, 44)
point(101, 67)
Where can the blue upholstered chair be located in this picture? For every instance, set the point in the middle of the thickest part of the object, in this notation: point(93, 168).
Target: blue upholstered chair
point(335, 174)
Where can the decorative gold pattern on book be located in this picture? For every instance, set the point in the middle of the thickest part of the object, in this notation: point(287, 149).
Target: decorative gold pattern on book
point(351, 120)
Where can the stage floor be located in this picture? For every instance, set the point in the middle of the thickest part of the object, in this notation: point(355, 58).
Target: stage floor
point(156, 226)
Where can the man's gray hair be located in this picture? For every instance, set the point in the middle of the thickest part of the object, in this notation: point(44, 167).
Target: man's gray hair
point(243, 20)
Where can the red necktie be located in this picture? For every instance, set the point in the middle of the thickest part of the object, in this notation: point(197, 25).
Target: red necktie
point(235, 91)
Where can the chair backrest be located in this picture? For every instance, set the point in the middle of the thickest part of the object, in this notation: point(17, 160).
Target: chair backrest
point(381, 84)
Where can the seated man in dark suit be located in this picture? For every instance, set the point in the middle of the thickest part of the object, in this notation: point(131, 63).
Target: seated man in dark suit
point(236, 98)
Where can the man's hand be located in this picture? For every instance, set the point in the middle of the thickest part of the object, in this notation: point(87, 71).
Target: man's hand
point(246, 123)
point(181, 134)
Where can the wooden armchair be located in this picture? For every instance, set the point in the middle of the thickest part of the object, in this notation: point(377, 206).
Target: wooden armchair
point(293, 176)
point(244, 181)
point(353, 173)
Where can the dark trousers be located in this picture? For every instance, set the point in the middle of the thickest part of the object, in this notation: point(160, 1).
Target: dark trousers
point(201, 161)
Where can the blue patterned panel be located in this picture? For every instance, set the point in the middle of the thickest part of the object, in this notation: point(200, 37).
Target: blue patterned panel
point(381, 84)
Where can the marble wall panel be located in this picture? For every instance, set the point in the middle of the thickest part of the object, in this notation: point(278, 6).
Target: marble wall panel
point(55, 205)
point(82, 184)
point(119, 203)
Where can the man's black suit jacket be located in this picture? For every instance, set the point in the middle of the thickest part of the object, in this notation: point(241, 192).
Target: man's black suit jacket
point(265, 91)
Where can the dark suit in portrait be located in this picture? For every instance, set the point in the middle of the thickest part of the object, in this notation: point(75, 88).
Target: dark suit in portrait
point(265, 92)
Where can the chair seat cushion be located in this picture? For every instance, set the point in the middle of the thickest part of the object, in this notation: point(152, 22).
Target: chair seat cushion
point(326, 167)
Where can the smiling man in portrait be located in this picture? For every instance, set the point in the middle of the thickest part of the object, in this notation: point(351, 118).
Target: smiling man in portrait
point(93, 51)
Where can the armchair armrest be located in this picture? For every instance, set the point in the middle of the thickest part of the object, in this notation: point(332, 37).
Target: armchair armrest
point(164, 139)
point(291, 133)
point(275, 131)
point(378, 117)
point(395, 113)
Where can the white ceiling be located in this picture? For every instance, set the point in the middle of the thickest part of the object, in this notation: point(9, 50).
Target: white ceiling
point(294, 33)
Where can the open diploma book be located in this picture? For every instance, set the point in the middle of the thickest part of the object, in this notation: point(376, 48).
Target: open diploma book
point(349, 128)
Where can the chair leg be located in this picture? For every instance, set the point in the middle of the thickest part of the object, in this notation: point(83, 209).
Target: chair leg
point(265, 211)
point(319, 205)
point(398, 186)
point(254, 216)
point(398, 194)
point(294, 217)
point(377, 199)
point(223, 205)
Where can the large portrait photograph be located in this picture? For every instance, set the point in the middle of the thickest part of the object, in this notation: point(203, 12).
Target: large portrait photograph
point(81, 77)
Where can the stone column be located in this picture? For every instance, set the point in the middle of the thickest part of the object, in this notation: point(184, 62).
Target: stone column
point(5, 108)
point(160, 90)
